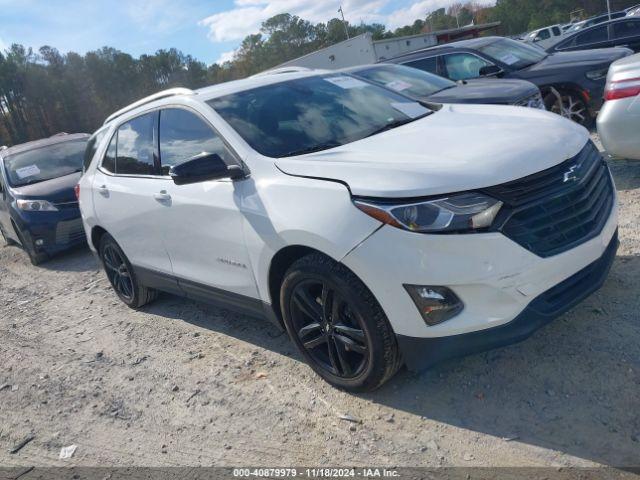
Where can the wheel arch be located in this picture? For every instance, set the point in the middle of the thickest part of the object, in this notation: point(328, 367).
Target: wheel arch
point(97, 233)
point(280, 263)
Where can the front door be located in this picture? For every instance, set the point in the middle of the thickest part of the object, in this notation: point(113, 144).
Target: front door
point(203, 227)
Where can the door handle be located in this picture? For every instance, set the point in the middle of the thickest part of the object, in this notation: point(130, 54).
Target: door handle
point(162, 196)
point(103, 190)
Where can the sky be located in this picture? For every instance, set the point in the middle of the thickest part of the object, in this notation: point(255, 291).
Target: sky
point(209, 30)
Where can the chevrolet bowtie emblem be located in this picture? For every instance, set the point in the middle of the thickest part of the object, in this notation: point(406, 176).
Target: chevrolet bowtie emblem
point(570, 175)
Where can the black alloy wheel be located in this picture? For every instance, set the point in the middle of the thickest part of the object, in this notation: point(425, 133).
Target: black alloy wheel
point(122, 276)
point(118, 273)
point(329, 329)
point(337, 324)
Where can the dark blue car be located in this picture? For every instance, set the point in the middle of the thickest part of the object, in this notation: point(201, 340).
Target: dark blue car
point(38, 206)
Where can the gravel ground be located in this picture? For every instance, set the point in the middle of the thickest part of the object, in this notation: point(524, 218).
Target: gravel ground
point(181, 383)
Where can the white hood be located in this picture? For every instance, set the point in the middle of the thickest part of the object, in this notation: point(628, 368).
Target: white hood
point(460, 147)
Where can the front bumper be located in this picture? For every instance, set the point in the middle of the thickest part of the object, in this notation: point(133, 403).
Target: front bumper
point(58, 231)
point(421, 353)
point(495, 277)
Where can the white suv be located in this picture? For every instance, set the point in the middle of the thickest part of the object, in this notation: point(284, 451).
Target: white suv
point(375, 229)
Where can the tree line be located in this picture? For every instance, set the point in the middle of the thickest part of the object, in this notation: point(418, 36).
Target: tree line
point(45, 92)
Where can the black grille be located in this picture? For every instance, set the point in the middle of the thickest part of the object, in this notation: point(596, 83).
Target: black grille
point(554, 210)
point(69, 231)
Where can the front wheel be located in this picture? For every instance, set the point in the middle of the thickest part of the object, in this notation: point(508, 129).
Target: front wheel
point(35, 257)
point(121, 275)
point(6, 239)
point(570, 106)
point(338, 325)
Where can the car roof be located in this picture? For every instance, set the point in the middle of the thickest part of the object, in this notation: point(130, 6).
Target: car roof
point(471, 43)
point(208, 93)
point(234, 86)
point(44, 142)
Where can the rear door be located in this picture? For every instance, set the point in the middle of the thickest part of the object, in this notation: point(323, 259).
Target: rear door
point(127, 197)
point(203, 226)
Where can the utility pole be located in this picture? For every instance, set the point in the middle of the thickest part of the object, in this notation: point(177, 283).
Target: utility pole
point(346, 30)
point(609, 8)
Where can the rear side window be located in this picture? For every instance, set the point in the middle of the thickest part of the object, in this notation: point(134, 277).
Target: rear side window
point(92, 146)
point(109, 160)
point(427, 64)
point(135, 146)
point(184, 135)
point(626, 28)
point(595, 35)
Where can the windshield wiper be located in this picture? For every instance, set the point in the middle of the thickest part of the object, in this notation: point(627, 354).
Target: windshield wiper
point(397, 123)
point(311, 149)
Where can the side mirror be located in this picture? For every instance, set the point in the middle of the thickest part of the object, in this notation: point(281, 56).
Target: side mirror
point(536, 40)
point(203, 167)
point(490, 70)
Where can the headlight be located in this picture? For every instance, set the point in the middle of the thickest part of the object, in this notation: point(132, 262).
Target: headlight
point(36, 206)
point(597, 74)
point(457, 213)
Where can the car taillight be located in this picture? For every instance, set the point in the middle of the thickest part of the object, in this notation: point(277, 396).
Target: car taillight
point(622, 89)
point(76, 189)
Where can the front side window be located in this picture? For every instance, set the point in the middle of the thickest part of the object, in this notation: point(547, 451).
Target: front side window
point(414, 82)
point(463, 66)
point(425, 64)
point(594, 35)
point(184, 135)
point(556, 31)
point(314, 113)
point(543, 35)
point(45, 163)
point(517, 55)
point(135, 146)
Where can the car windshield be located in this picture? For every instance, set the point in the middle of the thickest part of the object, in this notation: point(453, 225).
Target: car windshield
point(576, 27)
point(45, 163)
point(314, 113)
point(515, 54)
point(411, 81)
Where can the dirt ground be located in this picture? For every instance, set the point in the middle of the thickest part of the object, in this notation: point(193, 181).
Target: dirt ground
point(181, 383)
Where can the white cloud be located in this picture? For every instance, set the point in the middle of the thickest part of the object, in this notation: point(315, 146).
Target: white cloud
point(156, 15)
point(3, 46)
point(246, 18)
point(247, 15)
point(225, 57)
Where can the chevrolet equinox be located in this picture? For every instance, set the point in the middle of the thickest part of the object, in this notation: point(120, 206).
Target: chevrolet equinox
point(378, 230)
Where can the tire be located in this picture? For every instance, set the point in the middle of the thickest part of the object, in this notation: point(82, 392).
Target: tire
point(122, 276)
point(36, 258)
point(338, 325)
point(573, 108)
point(7, 240)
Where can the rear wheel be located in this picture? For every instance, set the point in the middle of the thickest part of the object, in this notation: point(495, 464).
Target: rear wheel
point(338, 325)
point(121, 275)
